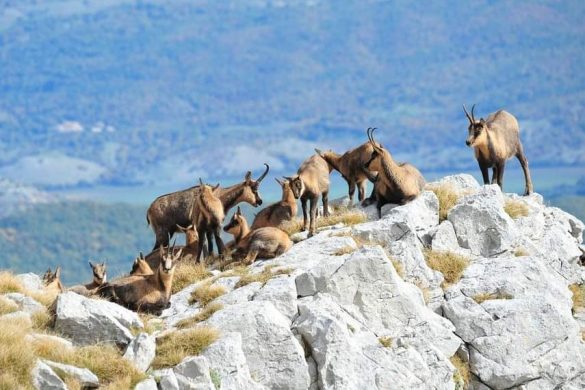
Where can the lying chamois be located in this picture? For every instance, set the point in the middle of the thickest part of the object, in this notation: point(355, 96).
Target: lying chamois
point(264, 243)
point(168, 211)
point(351, 167)
point(310, 182)
point(189, 250)
point(278, 213)
point(395, 182)
point(495, 140)
point(99, 278)
point(208, 217)
point(140, 267)
point(52, 281)
point(150, 293)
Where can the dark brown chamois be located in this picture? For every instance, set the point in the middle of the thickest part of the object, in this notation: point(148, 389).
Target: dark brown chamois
point(494, 141)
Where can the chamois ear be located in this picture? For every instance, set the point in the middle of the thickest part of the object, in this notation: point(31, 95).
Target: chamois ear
point(58, 273)
point(288, 178)
point(278, 181)
point(200, 182)
point(141, 256)
point(216, 187)
point(91, 264)
point(248, 176)
point(238, 211)
point(319, 152)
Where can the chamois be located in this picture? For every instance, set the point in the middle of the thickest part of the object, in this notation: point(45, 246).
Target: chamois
point(168, 211)
point(52, 281)
point(395, 182)
point(99, 278)
point(189, 250)
point(310, 182)
point(150, 293)
point(208, 216)
point(140, 267)
point(351, 167)
point(265, 242)
point(278, 213)
point(495, 140)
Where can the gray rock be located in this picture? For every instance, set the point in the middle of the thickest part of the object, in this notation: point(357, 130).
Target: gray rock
point(25, 303)
point(461, 182)
point(30, 281)
point(86, 378)
point(147, 384)
point(141, 351)
point(166, 379)
point(193, 373)
point(282, 292)
point(44, 378)
point(89, 321)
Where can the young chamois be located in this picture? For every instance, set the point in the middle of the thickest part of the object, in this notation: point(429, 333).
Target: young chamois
point(278, 213)
point(395, 182)
point(140, 267)
point(52, 281)
point(99, 278)
point(208, 216)
point(150, 293)
point(189, 250)
point(495, 140)
point(175, 209)
point(264, 243)
point(310, 182)
point(351, 167)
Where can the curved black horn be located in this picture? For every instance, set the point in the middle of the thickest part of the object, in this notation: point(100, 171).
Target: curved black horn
point(264, 174)
point(467, 114)
point(472, 116)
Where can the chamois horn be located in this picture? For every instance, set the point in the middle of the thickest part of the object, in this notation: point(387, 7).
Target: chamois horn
point(264, 174)
point(471, 117)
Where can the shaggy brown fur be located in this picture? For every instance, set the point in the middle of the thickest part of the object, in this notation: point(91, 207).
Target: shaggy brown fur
point(140, 267)
point(495, 140)
point(264, 243)
point(310, 182)
point(99, 278)
point(395, 182)
point(208, 217)
point(150, 293)
point(168, 211)
point(278, 213)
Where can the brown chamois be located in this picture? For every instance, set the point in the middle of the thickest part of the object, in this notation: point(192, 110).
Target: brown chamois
point(208, 216)
point(52, 281)
point(310, 182)
point(189, 250)
point(264, 243)
point(150, 293)
point(99, 278)
point(351, 167)
point(168, 211)
point(140, 267)
point(495, 140)
point(395, 182)
point(278, 213)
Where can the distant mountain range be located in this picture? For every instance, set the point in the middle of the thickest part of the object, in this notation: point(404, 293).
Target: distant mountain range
point(139, 92)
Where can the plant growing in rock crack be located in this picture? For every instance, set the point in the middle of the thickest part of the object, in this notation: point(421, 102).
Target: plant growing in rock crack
point(386, 341)
point(215, 379)
point(480, 298)
point(206, 293)
point(448, 197)
point(171, 349)
point(348, 217)
point(520, 252)
point(202, 315)
point(344, 251)
point(262, 277)
point(515, 208)
point(462, 373)
point(578, 297)
point(451, 265)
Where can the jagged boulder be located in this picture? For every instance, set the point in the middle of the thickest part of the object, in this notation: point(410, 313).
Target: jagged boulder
point(85, 377)
point(30, 281)
point(44, 378)
point(89, 321)
point(147, 384)
point(25, 303)
point(141, 351)
point(193, 373)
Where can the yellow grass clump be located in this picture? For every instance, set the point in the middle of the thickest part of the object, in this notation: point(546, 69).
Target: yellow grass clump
point(451, 265)
point(479, 298)
point(204, 314)
point(16, 359)
point(344, 251)
point(262, 277)
point(9, 283)
point(448, 197)
point(519, 252)
point(515, 208)
point(188, 273)
point(578, 291)
point(7, 306)
point(206, 293)
point(397, 266)
point(346, 216)
point(174, 347)
point(462, 372)
point(386, 341)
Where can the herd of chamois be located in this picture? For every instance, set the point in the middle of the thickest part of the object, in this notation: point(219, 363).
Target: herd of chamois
point(199, 212)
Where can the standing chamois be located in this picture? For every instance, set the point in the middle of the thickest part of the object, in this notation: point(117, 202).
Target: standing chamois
point(264, 243)
point(99, 278)
point(278, 213)
point(208, 215)
point(351, 167)
point(495, 140)
point(150, 293)
point(310, 182)
point(168, 211)
point(397, 183)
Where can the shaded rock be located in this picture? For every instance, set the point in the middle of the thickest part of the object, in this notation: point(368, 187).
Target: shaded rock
point(141, 351)
point(89, 321)
point(44, 378)
point(462, 182)
point(25, 303)
point(166, 379)
point(85, 377)
point(282, 292)
point(193, 373)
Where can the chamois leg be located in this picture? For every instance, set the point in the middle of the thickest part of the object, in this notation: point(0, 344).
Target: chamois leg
point(495, 174)
point(485, 173)
point(325, 199)
point(361, 191)
point(371, 199)
point(524, 163)
point(313, 216)
point(162, 237)
point(351, 185)
point(379, 205)
point(305, 220)
point(209, 244)
point(201, 233)
point(251, 257)
point(501, 167)
point(218, 240)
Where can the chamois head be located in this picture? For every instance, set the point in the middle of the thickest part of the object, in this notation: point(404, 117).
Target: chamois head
point(236, 224)
point(47, 276)
point(377, 153)
point(52, 281)
point(250, 194)
point(297, 185)
point(475, 129)
point(286, 187)
point(168, 261)
point(140, 267)
point(207, 189)
point(99, 272)
point(191, 235)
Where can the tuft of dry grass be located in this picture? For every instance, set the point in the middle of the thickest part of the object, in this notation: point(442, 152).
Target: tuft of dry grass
point(386, 341)
point(519, 252)
point(448, 197)
point(9, 283)
point(479, 298)
point(397, 266)
point(346, 216)
point(578, 291)
point(451, 265)
point(344, 251)
point(203, 315)
point(41, 320)
point(262, 277)
point(515, 208)
point(7, 306)
point(16, 359)
point(462, 372)
point(174, 347)
point(188, 273)
point(206, 293)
